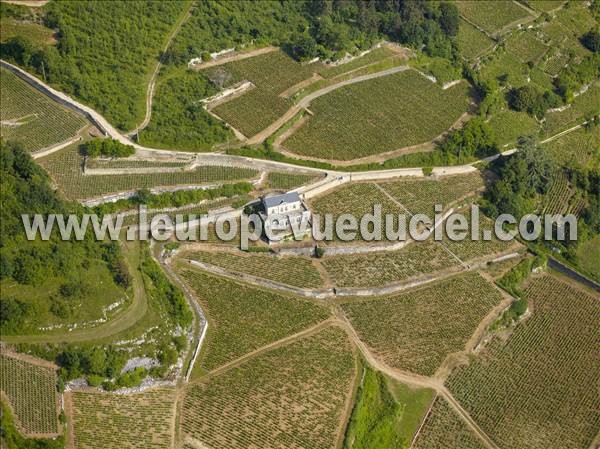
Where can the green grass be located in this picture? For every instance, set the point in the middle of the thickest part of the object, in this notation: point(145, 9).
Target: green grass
point(64, 167)
point(244, 318)
point(444, 428)
point(588, 255)
point(416, 330)
point(9, 28)
point(287, 181)
point(472, 42)
point(32, 118)
point(525, 46)
point(372, 57)
point(292, 270)
point(290, 397)
point(505, 68)
point(492, 16)
point(545, 5)
point(509, 125)
point(140, 420)
point(272, 73)
point(377, 116)
point(386, 413)
point(535, 387)
point(31, 391)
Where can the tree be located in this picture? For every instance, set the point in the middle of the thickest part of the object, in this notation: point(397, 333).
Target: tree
point(591, 40)
point(449, 18)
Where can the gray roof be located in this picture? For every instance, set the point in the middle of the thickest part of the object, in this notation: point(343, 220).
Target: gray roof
point(276, 200)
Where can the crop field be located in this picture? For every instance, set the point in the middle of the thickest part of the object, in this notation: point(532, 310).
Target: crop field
point(506, 68)
point(287, 181)
point(31, 118)
point(584, 104)
point(471, 41)
point(588, 254)
point(555, 63)
point(131, 163)
point(416, 330)
point(526, 47)
point(291, 397)
point(536, 388)
point(377, 116)
point(420, 196)
point(132, 421)
point(545, 5)
point(492, 16)
point(64, 167)
point(577, 18)
point(31, 391)
point(244, 318)
point(509, 125)
point(558, 197)
point(272, 73)
point(372, 57)
point(581, 146)
point(378, 269)
point(292, 270)
point(444, 428)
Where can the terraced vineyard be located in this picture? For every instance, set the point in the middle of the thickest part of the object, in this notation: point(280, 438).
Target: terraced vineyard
point(420, 196)
point(32, 118)
point(416, 330)
point(291, 270)
point(581, 146)
point(244, 318)
point(536, 388)
point(133, 421)
point(583, 105)
point(372, 57)
point(443, 428)
point(377, 116)
point(64, 167)
point(509, 125)
point(132, 163)
point(492, 16)
point(289, 398)
point(287, 181)
point(378, 269)
point(546, 5)
point(471, 41)
point(526, 47)
point(31, 391)
point(272, 73)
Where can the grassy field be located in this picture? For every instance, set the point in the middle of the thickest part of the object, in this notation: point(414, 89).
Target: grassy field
point(386, 413)
point(506, 68)
point(588, 254)
point(583, 105)
point(31, 118)
point(378, 115)
point(372, 57)
point(10, 27)
point(472, 42)
point(272, 73)
point(419, 196)
point(492, 16)
point(64, 167)
point(509, 125)
point(291, 397)
point(443, 428)
point(378, 269)
point(416, 330)
point(545, 5)
point(133, 421)
point(287, 181)
point(31, 391)
point(243, 318)
point(535, 388)
point(291, 270)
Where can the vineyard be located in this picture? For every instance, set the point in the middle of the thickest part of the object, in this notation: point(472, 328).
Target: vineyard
point(378, 269)
point(583, 105)
point(580, 146)
point(133, 421)
point(272, 73)
point(378, 115)
point(64, 167)
point(444, 428)
point(244, 318)
point(545, 5)
point(420, 196)
point(416, 330)
point(492, 16)
point(525, 46)
point(536, 389)
point(376, 55)
point(291, 270)
point(509, 125)
point(31, 391)
point(119, 163)
point(287, 181)
point(471, 41)
point(289, 398)
point(31, 118)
